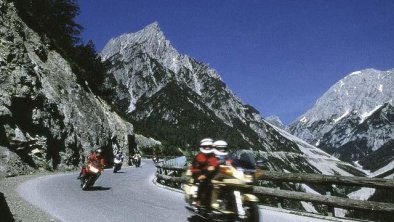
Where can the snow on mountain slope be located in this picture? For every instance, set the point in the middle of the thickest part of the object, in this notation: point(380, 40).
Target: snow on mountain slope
point(354, 118)
point(321, 160)
point(358, 93)
point(179, 100)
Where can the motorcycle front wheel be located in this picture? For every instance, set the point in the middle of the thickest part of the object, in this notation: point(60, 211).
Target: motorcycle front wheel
point(117, 168)
point(252, 212)
point(85, 183)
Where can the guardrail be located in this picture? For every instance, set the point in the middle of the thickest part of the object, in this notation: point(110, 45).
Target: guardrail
point(172, 176)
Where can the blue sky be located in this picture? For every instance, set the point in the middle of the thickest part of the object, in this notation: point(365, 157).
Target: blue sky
point(279, 56)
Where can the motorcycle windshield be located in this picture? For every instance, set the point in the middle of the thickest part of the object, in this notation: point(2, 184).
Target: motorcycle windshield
point(244, 160)
point(96, 163)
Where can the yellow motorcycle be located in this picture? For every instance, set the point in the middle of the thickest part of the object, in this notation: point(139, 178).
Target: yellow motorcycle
point(231, 197)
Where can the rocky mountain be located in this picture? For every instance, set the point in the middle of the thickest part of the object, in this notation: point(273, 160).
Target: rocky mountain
point(354, 119)
point(275, 120)
point(178, 100)
point(47, 120)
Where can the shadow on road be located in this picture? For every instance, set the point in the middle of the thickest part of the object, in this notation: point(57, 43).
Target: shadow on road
point(5, 212)
point(196, 219)
point(120, 172)
point(98, 188)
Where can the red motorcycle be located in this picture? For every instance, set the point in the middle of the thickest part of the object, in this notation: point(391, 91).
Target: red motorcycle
point(93, 172)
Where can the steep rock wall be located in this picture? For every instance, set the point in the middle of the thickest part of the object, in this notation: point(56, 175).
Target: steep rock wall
point(47, 120)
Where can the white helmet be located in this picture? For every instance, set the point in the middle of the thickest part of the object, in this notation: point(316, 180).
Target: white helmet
point(220, 147)
point(206, 145)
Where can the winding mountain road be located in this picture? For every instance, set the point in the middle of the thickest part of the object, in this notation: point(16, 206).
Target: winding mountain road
point(128, 195)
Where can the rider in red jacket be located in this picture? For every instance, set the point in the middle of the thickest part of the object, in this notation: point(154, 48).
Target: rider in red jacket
point(96, 155)
point(203, 169)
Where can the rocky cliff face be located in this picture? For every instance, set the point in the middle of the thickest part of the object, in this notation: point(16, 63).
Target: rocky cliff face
point(47, 120)
point(176, 99)
point(353, 119)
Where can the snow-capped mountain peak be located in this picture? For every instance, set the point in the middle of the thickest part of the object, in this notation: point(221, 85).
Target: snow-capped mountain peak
point(276, 121)
point(153, 42)
point(354, 118)
point(149, 47)
point(177, 99)
point(360, 92)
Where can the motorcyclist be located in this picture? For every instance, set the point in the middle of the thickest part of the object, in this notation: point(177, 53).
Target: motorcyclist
point(119, 157)
point(221, 153)
point(137, 156)
point(118, 161)
point(203, 169)
point(232, 182)
point(94, 156)
point(155, 158)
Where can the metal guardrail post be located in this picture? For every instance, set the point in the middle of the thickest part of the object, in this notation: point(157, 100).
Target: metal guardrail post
point(280, 200)
point(330, 209)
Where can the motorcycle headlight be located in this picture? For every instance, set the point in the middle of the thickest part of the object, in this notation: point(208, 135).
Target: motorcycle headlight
point(94, 169)
point(258, 174)
point(227, 171)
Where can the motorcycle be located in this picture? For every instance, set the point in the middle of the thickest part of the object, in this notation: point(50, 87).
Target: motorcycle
point(155, 159)
point(137, 160)
point(231, 198)
point(93, 172)
point(118, 161)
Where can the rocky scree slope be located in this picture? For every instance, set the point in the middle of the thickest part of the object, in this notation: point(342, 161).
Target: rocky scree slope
point(178, 100)
point(354, 119)
point(47, 120)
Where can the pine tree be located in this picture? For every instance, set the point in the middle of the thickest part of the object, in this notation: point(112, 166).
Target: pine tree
point(54, 20)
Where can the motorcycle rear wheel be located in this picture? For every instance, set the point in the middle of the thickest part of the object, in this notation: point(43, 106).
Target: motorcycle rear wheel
point(252, 213)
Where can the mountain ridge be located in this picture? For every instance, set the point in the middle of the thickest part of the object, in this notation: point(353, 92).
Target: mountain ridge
point(147, 76)
point(354, 118)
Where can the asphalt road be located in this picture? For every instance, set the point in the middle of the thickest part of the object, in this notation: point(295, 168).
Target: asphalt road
point(129, 195)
